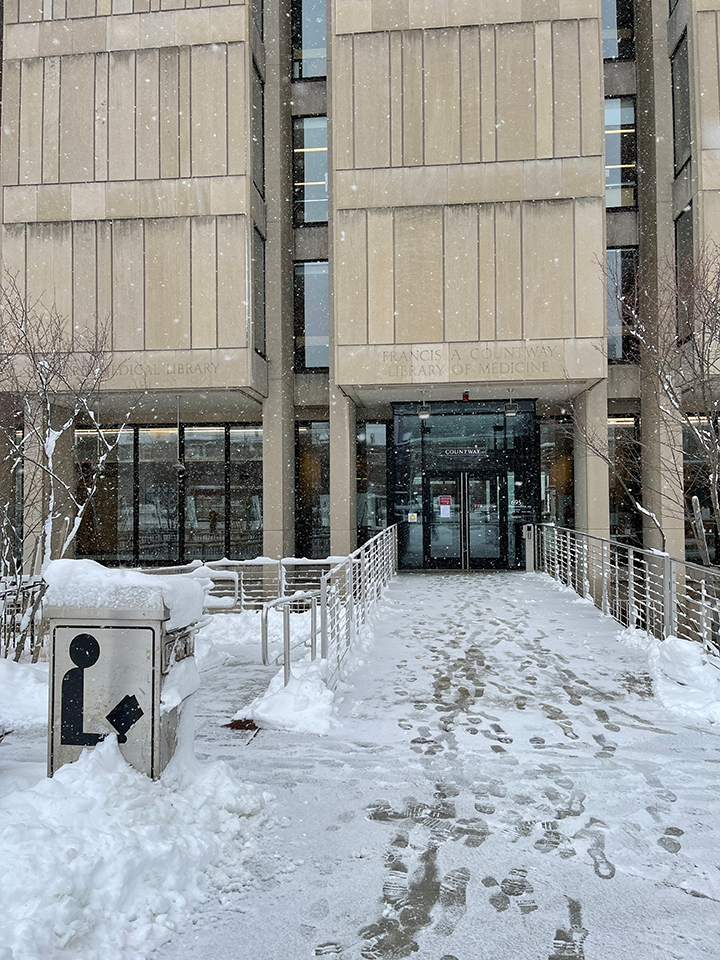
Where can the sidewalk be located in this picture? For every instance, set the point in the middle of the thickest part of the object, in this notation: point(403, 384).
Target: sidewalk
point(502, 784)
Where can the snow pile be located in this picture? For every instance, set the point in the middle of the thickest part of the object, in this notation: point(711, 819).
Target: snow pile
point(84, 583)
point(181, 681)
point(23, 694)
point(101, 862)
point(305, 705)
point(684, 679)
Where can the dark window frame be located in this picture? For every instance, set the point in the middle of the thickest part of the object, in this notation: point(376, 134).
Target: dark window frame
point(628, 150)
point(258, 285)
point(300, 199)
point(682, 130)
point(629, 345)
point(298, 21)
point(134, 429)
point(618, 29)
point(684, 231)
point(301, 316)
point(258, 130)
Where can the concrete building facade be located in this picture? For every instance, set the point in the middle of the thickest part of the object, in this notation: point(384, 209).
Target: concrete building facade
point(353, 253)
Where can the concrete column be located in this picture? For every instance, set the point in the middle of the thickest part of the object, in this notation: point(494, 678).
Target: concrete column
point(278, 409)
point(343, 474)
point(662, 451)
point(592, 491)
point(343, 433)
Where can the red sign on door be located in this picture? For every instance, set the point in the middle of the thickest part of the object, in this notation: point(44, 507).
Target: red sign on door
point(445, 500)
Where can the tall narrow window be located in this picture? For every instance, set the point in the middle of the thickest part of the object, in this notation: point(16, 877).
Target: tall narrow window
point(258, 132)
point(312, 490)
point(245, 492)
point(684, 242)
point(257, 12)
point(618, 29)
point(312, 313)
point(626, 457)
point(106, 531)
point(309, 39)
point(620, 152)
point(310, 195)
point(159, 467)
point(681, 104)
point(204, 492)
point(372, 450)
point(258, 292)
point(621, 263)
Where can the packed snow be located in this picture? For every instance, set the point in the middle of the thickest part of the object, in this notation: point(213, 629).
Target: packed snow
point(84, 583)
point(506, 774)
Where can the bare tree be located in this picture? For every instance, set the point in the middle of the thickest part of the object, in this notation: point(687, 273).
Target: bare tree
point(673, 330)
point(51, 376)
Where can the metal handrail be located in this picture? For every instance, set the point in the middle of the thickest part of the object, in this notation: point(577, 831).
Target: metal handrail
point(349, 589)
point(647, 589)
point(19, 601)
point(285, 604)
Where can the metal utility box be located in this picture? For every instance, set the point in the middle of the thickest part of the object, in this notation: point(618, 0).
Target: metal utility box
point(108, 667)
point(529, 537)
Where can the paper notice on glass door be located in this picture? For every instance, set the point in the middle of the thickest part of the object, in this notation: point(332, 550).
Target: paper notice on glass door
point(445, 504)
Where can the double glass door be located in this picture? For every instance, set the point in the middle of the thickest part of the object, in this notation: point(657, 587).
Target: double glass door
point(467, 520)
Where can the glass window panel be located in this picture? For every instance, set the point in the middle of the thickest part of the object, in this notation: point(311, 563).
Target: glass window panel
point(556, 472)
point(681, 105)
point(620, 152)
point(621, 293)
point(618, 29)
point(258, 131)
point(246, 443)
point(312, 491)
point(697, 483)
point(310, 196)
point(258, 292)
point(408, 489)
point(684, 256)
point(204, 443)
point(257, 12)
point(371, 479)
point(246, 493)
point(158, 478)
point(204, 493)
point(625, 455)
point(309, 40)
point(106, 530)
point(312, 315)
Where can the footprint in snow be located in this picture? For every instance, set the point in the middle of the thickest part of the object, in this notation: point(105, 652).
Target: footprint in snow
point(669, 840)
point(515, 885)
point(594, 830)
point(552, 839)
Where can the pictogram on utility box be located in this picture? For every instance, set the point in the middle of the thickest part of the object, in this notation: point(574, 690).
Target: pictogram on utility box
point(108, 668)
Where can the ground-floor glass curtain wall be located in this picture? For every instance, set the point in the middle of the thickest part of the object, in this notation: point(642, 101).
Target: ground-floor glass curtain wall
point(174, 494)
point(467, 478)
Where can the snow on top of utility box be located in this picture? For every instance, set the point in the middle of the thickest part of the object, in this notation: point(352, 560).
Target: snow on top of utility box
point(84, 584)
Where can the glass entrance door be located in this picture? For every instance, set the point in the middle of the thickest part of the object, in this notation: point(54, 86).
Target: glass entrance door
point(467, 521)
point(486, 522)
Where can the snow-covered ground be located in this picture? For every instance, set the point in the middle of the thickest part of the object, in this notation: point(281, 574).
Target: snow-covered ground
point(508, 775)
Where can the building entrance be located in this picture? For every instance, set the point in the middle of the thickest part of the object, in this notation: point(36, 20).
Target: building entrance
point(467, 479)
point(467, 521)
